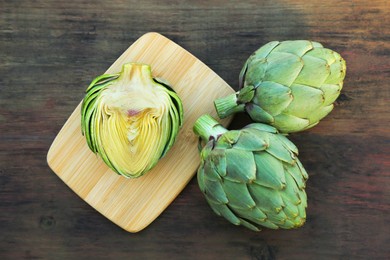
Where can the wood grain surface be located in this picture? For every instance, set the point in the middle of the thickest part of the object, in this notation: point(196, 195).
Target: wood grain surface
point(134, 203)
point(49, 50)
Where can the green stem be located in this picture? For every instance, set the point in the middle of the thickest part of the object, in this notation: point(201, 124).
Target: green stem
point(136, 76)
point(228, 105)
point(207, 127)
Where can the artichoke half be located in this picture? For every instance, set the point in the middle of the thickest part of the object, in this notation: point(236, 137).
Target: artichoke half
point(291, 85)
point(130, 119)
point(251, 177)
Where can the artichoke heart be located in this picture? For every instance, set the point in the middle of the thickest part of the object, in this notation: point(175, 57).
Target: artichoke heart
point(251, 177)
point(290, 85)
point(130, 119)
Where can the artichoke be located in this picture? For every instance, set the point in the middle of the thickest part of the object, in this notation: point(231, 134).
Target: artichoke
point(251, 177)
point(130, 119)
point(291, 85)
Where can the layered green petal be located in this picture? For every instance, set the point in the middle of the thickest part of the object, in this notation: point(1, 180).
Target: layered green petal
point(238, 195)
point(241, 166)
point(258, 114)
point(286, 123)
point(314, 72)
point(269, 171)
point(273, 96)
point(254, 179)
point(295, 84)
point(299, 47)
point(249, 142)
point(306, 99)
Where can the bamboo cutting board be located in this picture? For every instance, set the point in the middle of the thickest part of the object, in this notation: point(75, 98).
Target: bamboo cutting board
point(134, 203)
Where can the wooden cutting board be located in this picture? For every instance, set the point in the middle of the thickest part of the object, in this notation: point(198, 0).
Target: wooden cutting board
point(134, 203)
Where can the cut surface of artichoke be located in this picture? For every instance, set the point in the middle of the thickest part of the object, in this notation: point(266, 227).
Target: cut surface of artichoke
point(130, 119)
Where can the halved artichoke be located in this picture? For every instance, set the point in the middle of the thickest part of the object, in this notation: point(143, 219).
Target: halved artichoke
point(130, 119)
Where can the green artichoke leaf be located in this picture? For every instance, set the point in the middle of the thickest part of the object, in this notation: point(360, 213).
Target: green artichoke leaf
point(273, 96)
point(289, 123)
point(297, 47)
point(223, 210)
point(258, 114)
point(228, 139)
point(241, 166)
point(213, 183)
point(302, 169)
point(255, 72)
point(241, 77)
point(296, 173)
point(206, 150)
point(218, 160)
point(214, 191)
point(283, 68)
point(264, 50)
point(210, 171)
point(269, 224)
point(278, 218)
point(269, 171)
point(248, 225)
point(258, 64)
point(253, 214)
point(290, 209)
point(337, 71)
point(250, 142)
point(316, 115)
point(323, 53)
point(246, 94)
point(200, 177)
point(306, 100)
point(262, 128)
point(331, 92)
point(268, 200)
point(278, 150)
point(303, 205)
point(314, 72)
point(238, 195)
point(291, 191)
point(130, 119)
point(288, 144)
point(288, 224)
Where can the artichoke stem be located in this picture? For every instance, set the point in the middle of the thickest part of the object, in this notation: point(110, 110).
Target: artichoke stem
point(136, 75)
point(228, 105)
point(208, 128)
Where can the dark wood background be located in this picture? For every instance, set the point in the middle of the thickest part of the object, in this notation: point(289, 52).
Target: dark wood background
point(49, 52)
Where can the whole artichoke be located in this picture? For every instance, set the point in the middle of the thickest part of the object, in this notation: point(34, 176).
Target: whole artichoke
point(130, 119)
point(291, 85)
point(251, 177)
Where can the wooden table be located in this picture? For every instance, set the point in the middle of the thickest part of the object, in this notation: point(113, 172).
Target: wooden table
point(49, 52)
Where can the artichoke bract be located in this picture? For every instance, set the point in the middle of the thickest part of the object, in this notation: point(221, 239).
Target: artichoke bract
point(291, 85)
point(130, 119)
point(251, 177)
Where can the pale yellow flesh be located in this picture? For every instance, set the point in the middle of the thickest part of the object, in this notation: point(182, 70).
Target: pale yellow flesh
point(133, 123)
